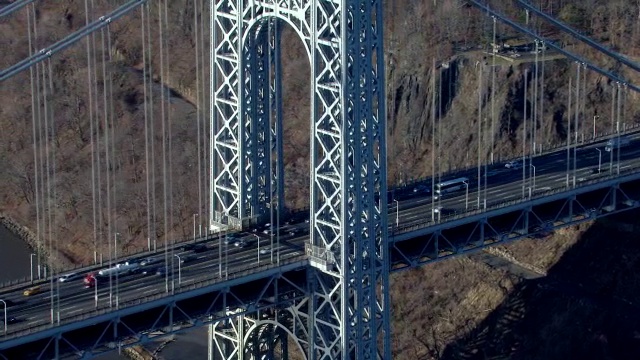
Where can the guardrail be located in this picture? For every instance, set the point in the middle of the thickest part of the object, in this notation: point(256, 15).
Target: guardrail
point(456, 171)
point(501, 204)
point(242, 272)
point(127, 254)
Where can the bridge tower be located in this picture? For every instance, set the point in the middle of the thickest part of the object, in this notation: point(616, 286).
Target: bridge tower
point(347, 312)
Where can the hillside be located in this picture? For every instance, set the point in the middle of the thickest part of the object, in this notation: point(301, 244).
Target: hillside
point(451, 34)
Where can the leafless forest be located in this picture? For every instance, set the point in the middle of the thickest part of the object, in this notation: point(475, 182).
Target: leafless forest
point(460, 309)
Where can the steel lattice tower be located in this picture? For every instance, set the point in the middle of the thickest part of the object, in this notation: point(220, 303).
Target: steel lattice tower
point(348, 304)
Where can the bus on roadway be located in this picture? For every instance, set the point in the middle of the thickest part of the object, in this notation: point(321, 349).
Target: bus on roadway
point(450, 186)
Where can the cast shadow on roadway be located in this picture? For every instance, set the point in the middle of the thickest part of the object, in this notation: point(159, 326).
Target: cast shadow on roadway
point(587, 307)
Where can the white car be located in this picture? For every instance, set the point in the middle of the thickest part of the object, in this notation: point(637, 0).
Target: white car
point(68, 277)
point(149, 261)
point(265, 250)
point(516, 164)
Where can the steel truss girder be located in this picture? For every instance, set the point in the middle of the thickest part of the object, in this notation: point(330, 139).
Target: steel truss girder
point(535, 219)
point(140, 323)
point(258, 335)
point(246, 102)
point(348, 156)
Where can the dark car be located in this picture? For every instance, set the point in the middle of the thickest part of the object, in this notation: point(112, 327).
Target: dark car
point(10, 320)
point(187, 258)
point(200, 248)
point(188, 247)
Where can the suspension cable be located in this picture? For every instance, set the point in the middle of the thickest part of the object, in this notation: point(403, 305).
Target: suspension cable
point(146, 123)
point(69, 40)
point(35, 124)
point(198, 109)
point(13, 7)
point(91, 138)
point(164, 148)
point(105, 122)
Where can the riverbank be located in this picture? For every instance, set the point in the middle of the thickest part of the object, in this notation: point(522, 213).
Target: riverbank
point(25, 235)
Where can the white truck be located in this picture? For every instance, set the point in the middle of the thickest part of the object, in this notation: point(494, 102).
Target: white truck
point(614, 143)
point(120, 269)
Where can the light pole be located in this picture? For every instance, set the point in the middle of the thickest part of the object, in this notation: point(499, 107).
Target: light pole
point(95, 289)
point(594, 125)
point(31, 265)
point(599, 159)
point(533, 178)
point(466, 195)
point(397, 212)
point(258, 240)
point(115, 253)
point(5, 316)
point(179, 268)
point(194, 227)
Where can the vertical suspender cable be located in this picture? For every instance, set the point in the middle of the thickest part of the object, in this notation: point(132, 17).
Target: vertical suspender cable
point(198, 108)
point(34, 126)
point(169, 138)
point(154, 218)
point(534, 123)
point(48, 179)
point(575, 123)
point(541, 111)
point(205, 117)
point(524, 134)
point(107, 162)
point(146, 123)
point(479, 65)
point(164, 149)
point(613, 116)
point(98, 163)
point(114, 164)
point(616, 148)
point(569, 132)
point(92, 140)
point(53, 181)
point(439, 139)
point(584, 97)
point(493, 90)
point(433, 137)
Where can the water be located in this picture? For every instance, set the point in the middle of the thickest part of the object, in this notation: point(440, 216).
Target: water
point(14, 257)
point(15, 262)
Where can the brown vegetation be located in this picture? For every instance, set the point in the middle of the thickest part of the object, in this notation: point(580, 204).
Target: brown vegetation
point(454, 297)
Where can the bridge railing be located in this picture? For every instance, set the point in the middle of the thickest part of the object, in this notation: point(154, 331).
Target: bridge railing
point(128, 253)
point(243, 272)
point(501, 204)
point(457, 171)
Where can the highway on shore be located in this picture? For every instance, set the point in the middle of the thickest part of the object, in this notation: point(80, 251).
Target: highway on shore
point(222, 256)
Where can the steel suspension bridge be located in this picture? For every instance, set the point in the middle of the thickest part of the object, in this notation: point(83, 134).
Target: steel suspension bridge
point(322, 284)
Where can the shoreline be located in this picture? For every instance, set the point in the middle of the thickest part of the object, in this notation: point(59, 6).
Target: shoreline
point(25, 234)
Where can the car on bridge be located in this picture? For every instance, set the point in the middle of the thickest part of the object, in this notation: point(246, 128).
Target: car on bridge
point(187, 258)
point(32, 291)
point(197, 248)
point(68, 277)
point(240, 243)
point(149, 261)
point(10, 320)
point(515, 164)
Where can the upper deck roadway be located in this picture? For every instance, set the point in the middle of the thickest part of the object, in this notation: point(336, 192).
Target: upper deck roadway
point(224, 266)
